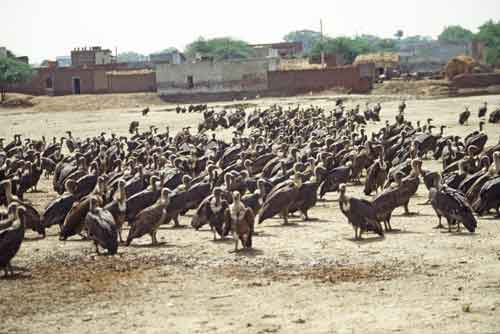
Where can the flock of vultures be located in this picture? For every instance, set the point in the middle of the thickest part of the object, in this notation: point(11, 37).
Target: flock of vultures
point(279, 162)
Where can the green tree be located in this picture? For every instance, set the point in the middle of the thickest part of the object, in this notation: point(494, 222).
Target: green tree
point(220, 48)
point(489, 33)
point(169, 50)
point(348, 47)
point(12, 72)
point(455, 34)
point(308, 38)
point(131, 56)
point(399, 34)
point(372, 43)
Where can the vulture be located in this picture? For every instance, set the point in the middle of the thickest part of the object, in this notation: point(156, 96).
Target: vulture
point(118, 208)
point(212, 211)
point(101, 228)
point(359, 213)
point(240, 220)
point(477, 138)
point(453, 205)
point(143, 199)
point(483, 110)
point(149, 219)
point(377, 173)
point(56, 211)
point(11, 238)
point(280, 200)
point(495, 116)
point(464, 116)
point(334, 178)
point(74, 223)
point(489, 197)
point(31, 217)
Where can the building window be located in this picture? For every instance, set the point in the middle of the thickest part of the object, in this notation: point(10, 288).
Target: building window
point(48, 83)
point(190, 82)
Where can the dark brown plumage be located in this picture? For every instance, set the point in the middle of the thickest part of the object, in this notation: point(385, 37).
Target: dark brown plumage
point(149, 219)
point(101, 228)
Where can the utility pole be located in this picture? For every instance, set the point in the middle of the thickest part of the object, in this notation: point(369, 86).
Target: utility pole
point(322, 45)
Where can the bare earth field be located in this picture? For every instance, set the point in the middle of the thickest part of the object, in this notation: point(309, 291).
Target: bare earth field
point(311, 277)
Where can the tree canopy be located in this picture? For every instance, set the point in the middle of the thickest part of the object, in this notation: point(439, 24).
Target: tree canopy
point(489, 33)
point(12, 72)
point(346, 46)
point(308, 38)
point(455, 34)
point(131, 56)
point(220, 48)
point(350, 48)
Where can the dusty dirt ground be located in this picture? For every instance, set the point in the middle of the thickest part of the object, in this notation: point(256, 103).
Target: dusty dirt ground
point(311, 277)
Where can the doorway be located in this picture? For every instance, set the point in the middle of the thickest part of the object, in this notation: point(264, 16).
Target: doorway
point(190, 82)
point(76, 85)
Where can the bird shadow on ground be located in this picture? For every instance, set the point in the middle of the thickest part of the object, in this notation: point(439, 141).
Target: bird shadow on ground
point(222, 241)
point(365, 240)
point(252, 252)
point(462, 234)
point(399, 231)
point(32, 239)
point(76, 240)
point(316, 220)
point(263, 234)
point(38, 192)
point(413, 215)
point(494, 218)
point(289, 225)
point(179, 227)
point(161, 244)
point(327, 200)
point(15, 277)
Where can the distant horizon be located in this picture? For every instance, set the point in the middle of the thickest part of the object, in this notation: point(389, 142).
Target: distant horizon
point(50, 31)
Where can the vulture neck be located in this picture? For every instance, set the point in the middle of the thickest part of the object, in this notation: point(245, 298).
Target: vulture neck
point(344, 201)
point(497, 165)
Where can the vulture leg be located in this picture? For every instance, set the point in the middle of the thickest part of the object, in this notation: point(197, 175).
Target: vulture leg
point(236, 240)
point(97, 248)
point(214, 232)
point(439, 225)
point(84, 237)
point(449, 225)
point(120, 234)
point(285, 216)
point(498, 211)
point(355, 232)
point(306, 217)
point(407, 211)
point(153, 238)
point(389, 227)
point(458, 227)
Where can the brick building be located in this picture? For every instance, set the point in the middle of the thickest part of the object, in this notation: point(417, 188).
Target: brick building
point(91, 56)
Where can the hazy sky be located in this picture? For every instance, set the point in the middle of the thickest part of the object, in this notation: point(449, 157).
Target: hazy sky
point(50, 28)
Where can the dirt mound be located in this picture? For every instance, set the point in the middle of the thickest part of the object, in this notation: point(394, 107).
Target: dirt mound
point(463, 64)
point(421, 88)
point(82, 102)
point(18, 101)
